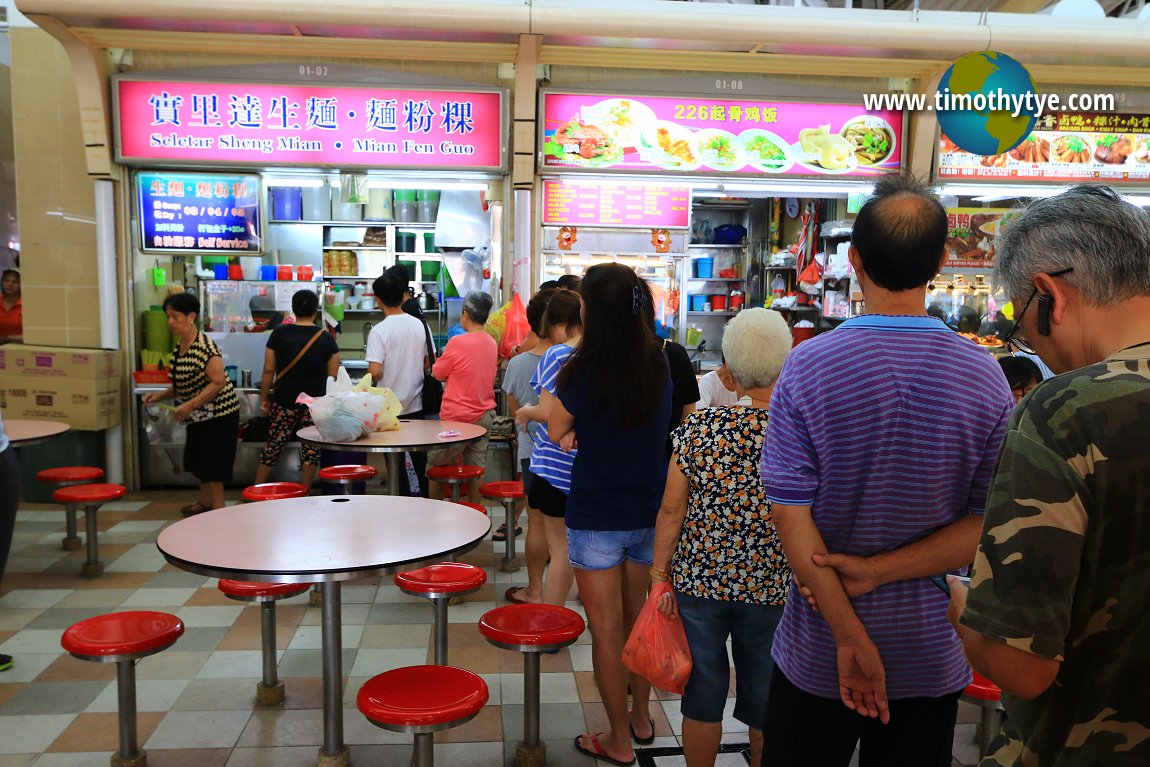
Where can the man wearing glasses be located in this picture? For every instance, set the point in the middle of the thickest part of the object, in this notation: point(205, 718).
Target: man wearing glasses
point(1057, 613)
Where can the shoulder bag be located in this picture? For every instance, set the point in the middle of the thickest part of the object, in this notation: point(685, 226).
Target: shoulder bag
point(432, 386)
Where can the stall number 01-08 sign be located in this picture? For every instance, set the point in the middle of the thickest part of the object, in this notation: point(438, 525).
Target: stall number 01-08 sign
point(204, 122)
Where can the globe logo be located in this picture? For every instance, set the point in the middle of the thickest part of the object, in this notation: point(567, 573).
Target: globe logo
point(984, 103)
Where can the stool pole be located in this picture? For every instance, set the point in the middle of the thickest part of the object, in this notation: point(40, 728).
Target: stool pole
point(393, 469)
point(424, 754)
point(440, 628)
point(332, 673)
point(126, 695)
point(71, 539)
point(268, 618)
point(531, 699)
point(510, 519)
point(92, 567)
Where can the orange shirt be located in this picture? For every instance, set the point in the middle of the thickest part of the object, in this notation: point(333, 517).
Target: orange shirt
point(12, 320)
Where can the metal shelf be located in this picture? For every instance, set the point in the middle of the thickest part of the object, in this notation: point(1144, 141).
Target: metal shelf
point(713, 314)
point(702, 245)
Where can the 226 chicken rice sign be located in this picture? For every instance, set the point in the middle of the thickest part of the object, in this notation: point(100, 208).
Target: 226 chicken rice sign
point(650, 133)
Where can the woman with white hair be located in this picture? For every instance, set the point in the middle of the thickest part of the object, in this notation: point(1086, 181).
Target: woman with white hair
point(714, 540)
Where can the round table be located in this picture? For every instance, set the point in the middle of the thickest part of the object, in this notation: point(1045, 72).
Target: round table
point(411, 436)
point(24, 432)
point(325, 539)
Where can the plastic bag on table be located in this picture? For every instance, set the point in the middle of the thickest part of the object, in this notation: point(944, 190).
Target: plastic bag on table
point(657, 648)
point(390, 406)
point(515, 329)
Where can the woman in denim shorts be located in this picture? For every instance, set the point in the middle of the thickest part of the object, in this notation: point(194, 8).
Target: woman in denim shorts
point(614, 395)
point(715, 539)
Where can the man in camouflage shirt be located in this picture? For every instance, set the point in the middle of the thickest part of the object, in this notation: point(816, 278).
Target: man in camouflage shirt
point(1059, 610)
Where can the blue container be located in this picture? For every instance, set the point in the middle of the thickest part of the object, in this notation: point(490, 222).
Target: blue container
point(220, 270)
point(698, 302)
point(704, 268)
point(267, 271)
point(287, 203)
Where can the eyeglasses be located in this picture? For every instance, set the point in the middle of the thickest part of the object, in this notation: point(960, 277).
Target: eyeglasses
point(1014, 337)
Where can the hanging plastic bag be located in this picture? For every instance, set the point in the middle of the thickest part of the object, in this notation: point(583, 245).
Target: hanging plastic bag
point(515, 328)
point(497, 322)
point(657, 648)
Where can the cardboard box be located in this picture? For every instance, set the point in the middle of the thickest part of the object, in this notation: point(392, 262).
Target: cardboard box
point(59, 362)
point(80, 403)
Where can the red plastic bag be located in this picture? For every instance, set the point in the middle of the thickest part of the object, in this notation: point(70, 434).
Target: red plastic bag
point(515, 329)
point(657, 648)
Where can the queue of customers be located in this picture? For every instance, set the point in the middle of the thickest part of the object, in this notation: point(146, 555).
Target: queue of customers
point(805, 526)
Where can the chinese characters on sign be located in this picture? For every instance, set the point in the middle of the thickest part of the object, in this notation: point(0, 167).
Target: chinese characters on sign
point(628, 133)
point(970, 236)
point(206, 213)
point(1064, 146)
point(287, 124)
point(631, 205)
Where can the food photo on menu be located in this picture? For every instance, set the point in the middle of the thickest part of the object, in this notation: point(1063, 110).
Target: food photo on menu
point(665, 134)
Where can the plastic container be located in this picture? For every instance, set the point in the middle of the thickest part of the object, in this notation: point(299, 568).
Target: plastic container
point(429, 242)
point(287, 203)
point(427, 205)
point(317, 203)
point(378, 206)
point(405, 243)
point(284, 272)
point(220, 271)
point(250, 265)
point(235, 272)
point(305, 272)
point(405, 208)
point(346, 211)
point(719, 302)
point(429, 270)
point(698, 303)
point(736, 301)
point(454, 310)
point(798, 335)
point(267, 271)
point(704, 267)
point(409, 266)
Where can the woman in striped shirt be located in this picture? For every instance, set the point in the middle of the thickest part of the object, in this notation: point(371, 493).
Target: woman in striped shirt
point(205, 402)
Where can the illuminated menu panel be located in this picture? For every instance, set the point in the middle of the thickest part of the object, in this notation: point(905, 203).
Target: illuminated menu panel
point(631, 205)
point(1063, 147)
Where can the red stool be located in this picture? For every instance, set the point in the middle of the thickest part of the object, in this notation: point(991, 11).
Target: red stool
point(269, 692)
point(986, 695)
point(422, 700)
point(477, 506)
point(91, 497)
point(506, 493)
point(123, 638)
point(531, 629)
point(455, 474)
point(66, 476)
point(274, 491)
point(440, 583)
point(346, 476)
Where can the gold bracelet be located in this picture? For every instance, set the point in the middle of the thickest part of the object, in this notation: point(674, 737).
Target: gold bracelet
point(659, 574)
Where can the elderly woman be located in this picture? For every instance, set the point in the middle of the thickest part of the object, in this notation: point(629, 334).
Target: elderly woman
point(467, 367)
point(11, 308)
point(205, 401)
point(715, 541)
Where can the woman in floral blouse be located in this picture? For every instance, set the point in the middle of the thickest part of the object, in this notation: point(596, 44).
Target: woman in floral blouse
point(715, 541)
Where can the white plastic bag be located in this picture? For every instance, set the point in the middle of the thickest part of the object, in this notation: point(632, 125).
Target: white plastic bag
point(389, 409)
point(344, 414)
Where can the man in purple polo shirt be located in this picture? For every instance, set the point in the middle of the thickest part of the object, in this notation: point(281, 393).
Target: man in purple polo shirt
point(880, 447)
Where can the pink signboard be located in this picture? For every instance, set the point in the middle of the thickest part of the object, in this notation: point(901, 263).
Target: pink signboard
point(706, 136)
point(606, 204)
point(1065, 146)
point(203, 122)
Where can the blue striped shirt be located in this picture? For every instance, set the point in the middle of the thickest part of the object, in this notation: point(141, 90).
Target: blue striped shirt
point(889, 428)
point(547, 459)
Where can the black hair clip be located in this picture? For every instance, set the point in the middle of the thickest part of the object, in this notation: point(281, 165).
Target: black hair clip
point(636, 299)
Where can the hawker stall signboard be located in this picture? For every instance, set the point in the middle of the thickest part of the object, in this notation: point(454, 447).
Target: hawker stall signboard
point(570, 203)
point(1063, 147)
point(212, 122)
point(970, 237)
point(199, 212)
point(684, 135)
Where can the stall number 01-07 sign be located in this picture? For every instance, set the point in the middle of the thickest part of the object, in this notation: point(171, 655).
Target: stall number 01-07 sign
point(684, 135)
point(205, 122)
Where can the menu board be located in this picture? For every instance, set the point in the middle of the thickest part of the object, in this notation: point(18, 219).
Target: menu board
point(1066, 146)
point(970, 236)
point(607, 204)
point(689, 135)
point(206, 122)
point(199, 212)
